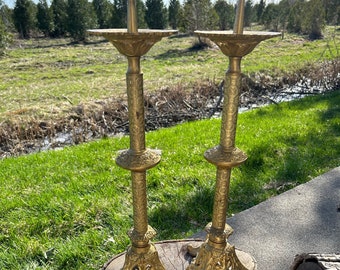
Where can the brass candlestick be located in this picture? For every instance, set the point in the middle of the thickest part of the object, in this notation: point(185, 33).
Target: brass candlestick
point(133, 43)
point(216, 252)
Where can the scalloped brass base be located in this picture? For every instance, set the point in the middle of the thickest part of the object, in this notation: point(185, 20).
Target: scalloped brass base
point(142, 259)
point(210, 257)
point(216, 253)
point(178, 254)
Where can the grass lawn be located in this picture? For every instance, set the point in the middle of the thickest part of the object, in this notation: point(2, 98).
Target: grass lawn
point(70, 209)
point(43, 78)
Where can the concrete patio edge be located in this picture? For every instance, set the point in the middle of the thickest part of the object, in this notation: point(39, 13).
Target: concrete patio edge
point(305, 219)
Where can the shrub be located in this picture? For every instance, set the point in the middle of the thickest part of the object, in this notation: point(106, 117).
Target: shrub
point(5, 38)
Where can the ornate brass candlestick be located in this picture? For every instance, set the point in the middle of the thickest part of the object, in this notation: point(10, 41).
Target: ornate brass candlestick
point(133, 43)
point(216, 252)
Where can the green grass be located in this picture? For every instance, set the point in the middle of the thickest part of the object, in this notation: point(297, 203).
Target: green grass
point(44, 79)
point(70, 209)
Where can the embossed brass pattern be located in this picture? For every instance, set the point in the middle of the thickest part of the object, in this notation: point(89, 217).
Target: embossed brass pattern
point(221, 158)
point(216, 252)
point(133, 161)
point(133, 43)
point(142, 259)
point(237, 45)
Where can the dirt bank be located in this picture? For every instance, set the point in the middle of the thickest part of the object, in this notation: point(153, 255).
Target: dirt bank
point(164, 108)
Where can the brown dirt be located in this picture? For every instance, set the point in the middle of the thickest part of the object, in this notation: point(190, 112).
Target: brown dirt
point(167, 107)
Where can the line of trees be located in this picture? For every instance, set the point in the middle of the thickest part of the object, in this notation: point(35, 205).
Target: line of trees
point(72, 17)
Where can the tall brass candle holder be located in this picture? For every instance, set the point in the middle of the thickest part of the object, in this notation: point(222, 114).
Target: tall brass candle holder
point(134, 43)
point(216, 252)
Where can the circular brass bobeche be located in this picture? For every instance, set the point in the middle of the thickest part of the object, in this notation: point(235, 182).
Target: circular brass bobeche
point(237, 45)
point(225, 159)
point(130, 160)
point(132, 44)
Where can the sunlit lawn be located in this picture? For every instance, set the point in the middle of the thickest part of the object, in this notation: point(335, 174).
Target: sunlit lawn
point(70, 209)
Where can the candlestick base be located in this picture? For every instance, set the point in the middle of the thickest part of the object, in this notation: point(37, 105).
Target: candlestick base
point(142, 259)
point(227, 258)
point(177, 255)
point(216, 253)
point(142, 254)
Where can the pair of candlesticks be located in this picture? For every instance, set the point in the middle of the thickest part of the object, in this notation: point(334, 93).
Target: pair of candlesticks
point(214, 253)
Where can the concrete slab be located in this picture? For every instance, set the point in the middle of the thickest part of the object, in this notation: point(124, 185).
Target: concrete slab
point(305, 219)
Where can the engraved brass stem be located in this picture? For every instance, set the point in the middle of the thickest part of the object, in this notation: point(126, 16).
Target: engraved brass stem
point(134, 80)
point(230, 106)
point(134, 83)
point(227, 144)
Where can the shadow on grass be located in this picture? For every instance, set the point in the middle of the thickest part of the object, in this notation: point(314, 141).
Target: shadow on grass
point(176, 53)
point(302, 159)
point(179, 35)
point(188, 214)
point(332, 114)
point(45, 43)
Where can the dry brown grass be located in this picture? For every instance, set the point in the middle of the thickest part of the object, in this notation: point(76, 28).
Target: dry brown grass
point(164, 108)
point(50, 87)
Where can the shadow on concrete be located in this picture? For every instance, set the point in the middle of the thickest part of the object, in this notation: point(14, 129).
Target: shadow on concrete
point(301, 220)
